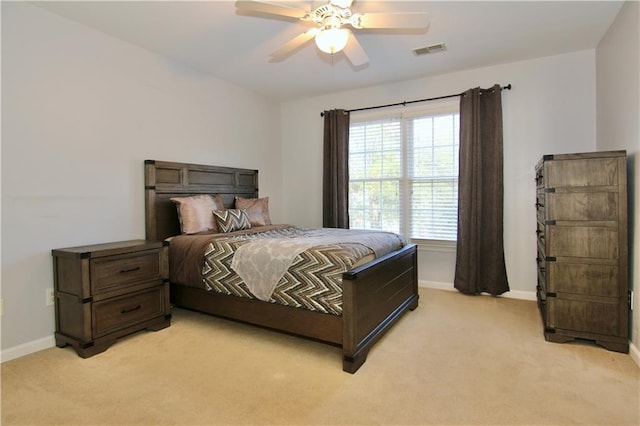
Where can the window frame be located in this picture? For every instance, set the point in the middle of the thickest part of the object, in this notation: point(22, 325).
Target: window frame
point(404, 113)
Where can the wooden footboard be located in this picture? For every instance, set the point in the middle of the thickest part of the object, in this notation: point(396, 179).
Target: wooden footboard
point(374, 297)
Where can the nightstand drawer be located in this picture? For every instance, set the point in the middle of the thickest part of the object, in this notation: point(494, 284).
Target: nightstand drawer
point(117, 272)
point(119, 312)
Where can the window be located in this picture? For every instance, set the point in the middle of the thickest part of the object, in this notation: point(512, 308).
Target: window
point(403, 172)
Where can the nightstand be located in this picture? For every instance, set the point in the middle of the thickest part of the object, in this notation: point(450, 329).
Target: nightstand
point(106, 291)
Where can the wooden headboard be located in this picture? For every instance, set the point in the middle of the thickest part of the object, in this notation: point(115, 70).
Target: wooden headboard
point(163, 180)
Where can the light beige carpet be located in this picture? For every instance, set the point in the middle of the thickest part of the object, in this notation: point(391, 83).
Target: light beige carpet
point(455, 360)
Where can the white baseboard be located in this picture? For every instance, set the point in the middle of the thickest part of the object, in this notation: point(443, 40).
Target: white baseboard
point(516, 294)
point(634, 352)
point(436, 285)
point(519, 294)
point(27, 348)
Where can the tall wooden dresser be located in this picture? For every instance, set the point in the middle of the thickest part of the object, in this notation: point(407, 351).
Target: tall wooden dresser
point(581, 203)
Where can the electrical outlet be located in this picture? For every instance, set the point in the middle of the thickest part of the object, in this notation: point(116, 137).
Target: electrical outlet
point(1, 307)
point(50, 297)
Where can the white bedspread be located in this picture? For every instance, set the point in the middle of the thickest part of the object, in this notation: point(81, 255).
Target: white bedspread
point(262, 263)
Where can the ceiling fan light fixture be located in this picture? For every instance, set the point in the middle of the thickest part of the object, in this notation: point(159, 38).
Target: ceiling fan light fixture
point(328, 20)
point(332, 40)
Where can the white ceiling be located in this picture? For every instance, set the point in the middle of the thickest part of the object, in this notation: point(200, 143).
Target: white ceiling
point(213, 37)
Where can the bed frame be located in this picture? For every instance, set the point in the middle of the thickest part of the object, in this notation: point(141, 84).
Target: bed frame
point(375, 295)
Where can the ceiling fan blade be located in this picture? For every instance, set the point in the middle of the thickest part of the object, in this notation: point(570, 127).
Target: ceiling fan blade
point(344, 4)
point(354, 52)
point(271, 9)
point(392, 20)
point(293, 44)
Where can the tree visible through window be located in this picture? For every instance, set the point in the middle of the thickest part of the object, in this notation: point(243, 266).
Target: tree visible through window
point(403, 174)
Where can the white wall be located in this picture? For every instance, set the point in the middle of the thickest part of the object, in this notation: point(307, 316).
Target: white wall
point(551, 109)
point(81, 111)
point(618, 125)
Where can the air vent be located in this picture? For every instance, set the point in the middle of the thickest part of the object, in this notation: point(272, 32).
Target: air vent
point(434, 48)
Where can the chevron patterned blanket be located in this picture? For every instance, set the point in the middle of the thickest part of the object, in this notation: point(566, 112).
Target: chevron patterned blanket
point(312, 278)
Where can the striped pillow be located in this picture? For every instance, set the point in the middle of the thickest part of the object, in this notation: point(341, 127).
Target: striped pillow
point(232, 220)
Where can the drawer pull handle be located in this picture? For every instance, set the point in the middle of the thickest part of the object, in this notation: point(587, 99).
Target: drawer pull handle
point(124, 271)
point(126, 311)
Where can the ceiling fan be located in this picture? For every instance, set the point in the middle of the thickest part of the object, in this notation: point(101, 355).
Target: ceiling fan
point(329, 22)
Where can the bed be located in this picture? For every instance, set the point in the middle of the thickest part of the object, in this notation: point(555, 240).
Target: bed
point(374, 294)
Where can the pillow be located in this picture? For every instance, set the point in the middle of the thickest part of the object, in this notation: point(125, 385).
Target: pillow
point(231, 220)
point(194, 212)
point(257, 210)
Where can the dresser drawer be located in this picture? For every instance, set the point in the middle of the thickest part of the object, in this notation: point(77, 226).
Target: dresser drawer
point(539, 176)
point(584, 316)
point(540, 228)
point(582, 241)
point(542, 281)
point(120, 312)
point(542, 303)
point(588, 279)
point(598, 206)
point(118, 272)
point(540, 210)
point(587, 172)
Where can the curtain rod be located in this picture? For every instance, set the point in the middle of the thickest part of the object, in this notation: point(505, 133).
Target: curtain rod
point(507, 87)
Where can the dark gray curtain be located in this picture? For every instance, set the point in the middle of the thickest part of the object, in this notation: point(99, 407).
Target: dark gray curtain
point(335, 191)
point(480, 263)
